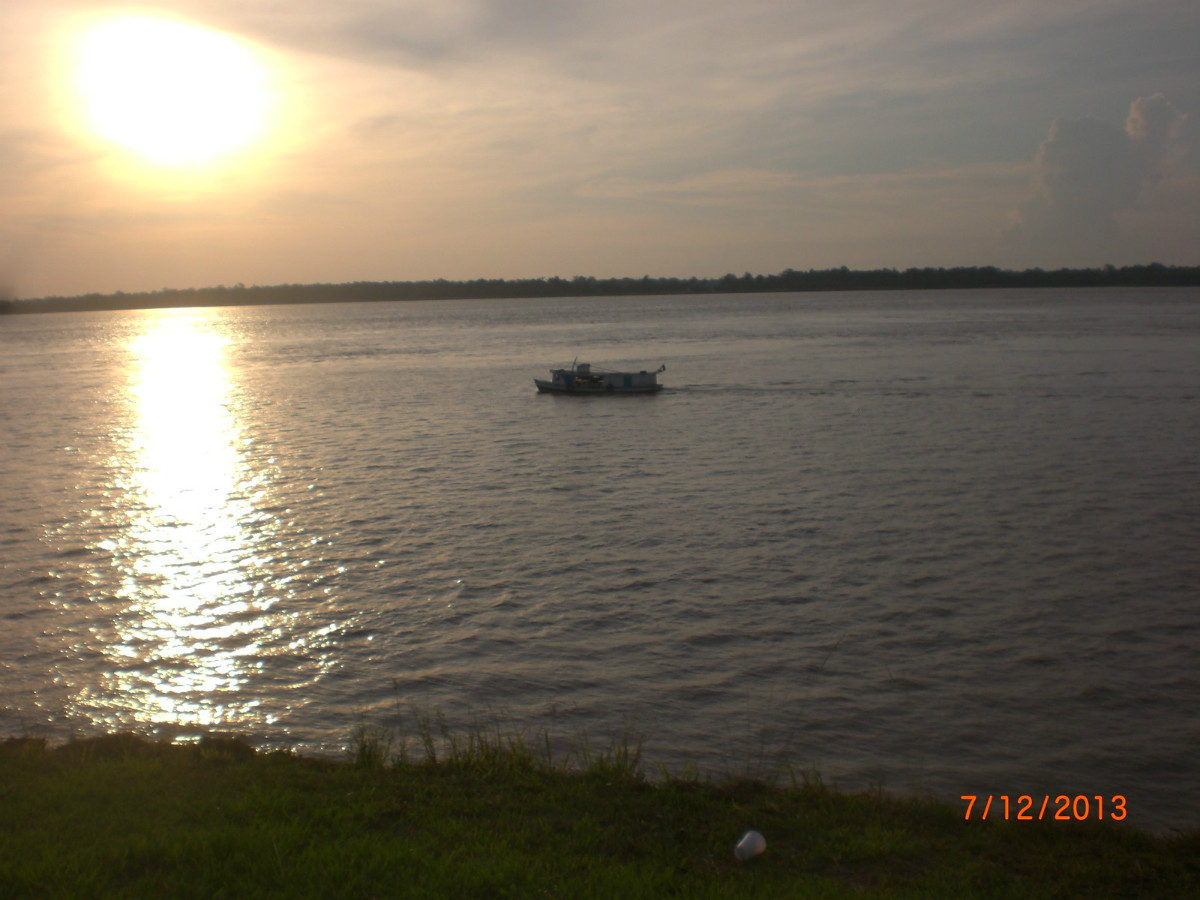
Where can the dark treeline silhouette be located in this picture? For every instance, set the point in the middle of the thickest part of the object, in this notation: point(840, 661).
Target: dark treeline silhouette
point(843, 279)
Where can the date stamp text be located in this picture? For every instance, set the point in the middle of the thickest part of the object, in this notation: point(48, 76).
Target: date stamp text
point(1060, 808)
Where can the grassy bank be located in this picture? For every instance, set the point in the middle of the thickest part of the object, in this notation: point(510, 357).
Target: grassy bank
point(124, 817)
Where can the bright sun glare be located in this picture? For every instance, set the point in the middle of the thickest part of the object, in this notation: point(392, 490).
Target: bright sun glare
point(175, 93)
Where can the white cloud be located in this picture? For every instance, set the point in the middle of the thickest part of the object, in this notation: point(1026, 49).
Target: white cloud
point(1153, 127)
point(1089, 175)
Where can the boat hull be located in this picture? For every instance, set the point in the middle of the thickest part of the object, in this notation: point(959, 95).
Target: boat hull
point(555, 387)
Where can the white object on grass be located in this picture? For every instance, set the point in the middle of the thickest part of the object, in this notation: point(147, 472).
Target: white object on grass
point(751, 844)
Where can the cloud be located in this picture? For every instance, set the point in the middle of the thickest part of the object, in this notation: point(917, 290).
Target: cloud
point(404, 33)
point(716, 187)
point(1153, 127)
point(1089, 174)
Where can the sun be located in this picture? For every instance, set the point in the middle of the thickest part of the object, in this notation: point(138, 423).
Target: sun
point(175, 93)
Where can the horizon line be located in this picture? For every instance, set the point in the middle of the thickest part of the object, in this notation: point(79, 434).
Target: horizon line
point(789, 280)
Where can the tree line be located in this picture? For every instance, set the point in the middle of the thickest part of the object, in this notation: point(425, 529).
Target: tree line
point(842, 279)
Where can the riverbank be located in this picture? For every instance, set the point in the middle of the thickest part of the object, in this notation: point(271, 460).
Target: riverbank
point(789, 281)
point(492, 817)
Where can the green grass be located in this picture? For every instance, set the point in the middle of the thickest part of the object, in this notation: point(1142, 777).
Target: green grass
point(487, 815)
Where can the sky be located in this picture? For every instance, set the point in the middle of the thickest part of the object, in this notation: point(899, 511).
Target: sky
point(191, 144)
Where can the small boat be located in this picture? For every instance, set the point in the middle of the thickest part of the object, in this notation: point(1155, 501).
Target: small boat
point(583, 378)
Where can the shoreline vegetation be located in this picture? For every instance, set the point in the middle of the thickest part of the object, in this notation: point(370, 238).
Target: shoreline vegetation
point(489, 815)
point(790, 280)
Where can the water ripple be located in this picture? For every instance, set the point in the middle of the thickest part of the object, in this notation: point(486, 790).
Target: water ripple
point(948, 544)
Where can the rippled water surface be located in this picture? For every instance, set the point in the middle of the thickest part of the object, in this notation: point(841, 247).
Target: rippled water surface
point(935, 541)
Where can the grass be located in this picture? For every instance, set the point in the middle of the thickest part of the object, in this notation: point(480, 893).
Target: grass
point(490, 815)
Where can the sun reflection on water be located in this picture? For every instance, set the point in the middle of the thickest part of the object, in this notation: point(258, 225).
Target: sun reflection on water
point(195, 605)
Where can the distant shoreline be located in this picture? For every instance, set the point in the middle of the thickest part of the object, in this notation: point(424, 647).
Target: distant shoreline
point(790, 280)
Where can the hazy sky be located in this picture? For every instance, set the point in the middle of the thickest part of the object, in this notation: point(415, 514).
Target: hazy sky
point(398, 140)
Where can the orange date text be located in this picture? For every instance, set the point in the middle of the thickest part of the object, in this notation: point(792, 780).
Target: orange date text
point(1047, 807)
